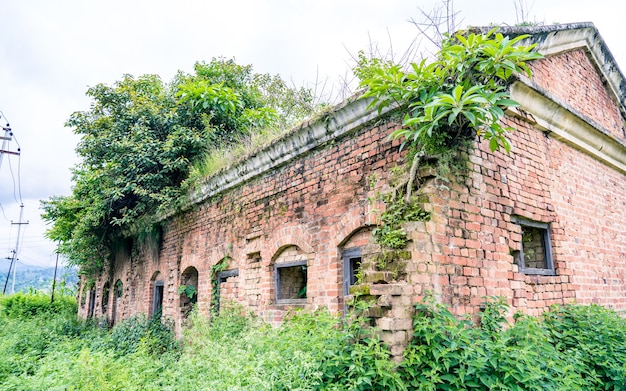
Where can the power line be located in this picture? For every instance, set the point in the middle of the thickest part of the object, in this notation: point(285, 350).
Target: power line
point(8, 136)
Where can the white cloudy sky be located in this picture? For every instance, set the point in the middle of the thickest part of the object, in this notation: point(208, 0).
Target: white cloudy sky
point(51, 51)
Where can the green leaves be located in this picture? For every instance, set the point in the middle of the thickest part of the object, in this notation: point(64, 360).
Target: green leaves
point(572, 347)
point(460, 95)
point(139, 139)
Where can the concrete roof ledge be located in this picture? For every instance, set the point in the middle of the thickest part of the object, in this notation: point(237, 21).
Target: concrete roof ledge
point(564, 124)
point(555, 39)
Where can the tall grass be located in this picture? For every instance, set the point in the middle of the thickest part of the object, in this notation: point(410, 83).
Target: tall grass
point(220, 158)
point(569, 348)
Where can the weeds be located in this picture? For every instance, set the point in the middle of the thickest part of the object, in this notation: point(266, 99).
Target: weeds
point(569, 348)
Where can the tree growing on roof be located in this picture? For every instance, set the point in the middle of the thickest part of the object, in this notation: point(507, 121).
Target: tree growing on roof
point(460, 95)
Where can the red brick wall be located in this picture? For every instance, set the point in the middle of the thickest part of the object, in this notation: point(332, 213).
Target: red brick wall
point(314, 204)
point(320, 203)
point(573, 78)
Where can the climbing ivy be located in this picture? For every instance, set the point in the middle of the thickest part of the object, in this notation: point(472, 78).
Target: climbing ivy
point(390, 233)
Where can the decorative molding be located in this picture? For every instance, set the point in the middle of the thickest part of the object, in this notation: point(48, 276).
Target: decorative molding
point(565, 125)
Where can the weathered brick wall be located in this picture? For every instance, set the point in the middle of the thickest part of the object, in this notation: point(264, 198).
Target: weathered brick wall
point(312, 208)
point(308, 209)
point(573, 78)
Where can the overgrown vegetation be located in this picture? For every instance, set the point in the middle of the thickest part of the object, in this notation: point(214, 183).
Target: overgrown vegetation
point(445, 103)
point(450, 101)
point(451, 354)
point(569, 348)
point(139, 141)
point(390, 233)
point(461, 94)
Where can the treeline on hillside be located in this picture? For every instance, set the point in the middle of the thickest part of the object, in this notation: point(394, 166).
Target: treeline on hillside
point(572, 347)
point(36, 278)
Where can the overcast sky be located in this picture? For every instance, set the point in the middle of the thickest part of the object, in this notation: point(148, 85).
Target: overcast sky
point(52, 51)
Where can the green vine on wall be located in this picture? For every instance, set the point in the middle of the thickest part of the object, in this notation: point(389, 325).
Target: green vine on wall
point(390, 233)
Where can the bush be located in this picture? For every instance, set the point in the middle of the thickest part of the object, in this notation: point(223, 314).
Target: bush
point(139, 332)
point(311, 350)
point(596, 338)
point(28, 305)
point(31, 328)
point(570, 348)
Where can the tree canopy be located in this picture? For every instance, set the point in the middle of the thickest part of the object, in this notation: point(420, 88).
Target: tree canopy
point(140, 138)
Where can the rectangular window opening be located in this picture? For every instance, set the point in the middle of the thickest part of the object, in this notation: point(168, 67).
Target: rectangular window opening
point(222, 277)
point(92, 303)
point(351, 268)
point(535, 254)
point(291, 282)
point(157, 303)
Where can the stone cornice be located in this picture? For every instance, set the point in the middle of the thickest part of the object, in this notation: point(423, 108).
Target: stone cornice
point(556, 39)
point(564, 124)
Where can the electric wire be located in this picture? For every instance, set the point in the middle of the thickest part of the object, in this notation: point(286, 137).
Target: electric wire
point(17, 190)
point(19, 168)
point(13, 178)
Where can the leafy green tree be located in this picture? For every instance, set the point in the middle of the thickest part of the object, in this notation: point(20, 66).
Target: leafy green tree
point(138, 141)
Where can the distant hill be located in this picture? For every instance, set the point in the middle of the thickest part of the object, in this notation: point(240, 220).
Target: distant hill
point(39, 278)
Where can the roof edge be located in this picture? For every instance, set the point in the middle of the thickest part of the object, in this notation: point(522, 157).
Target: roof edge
point(555, 39)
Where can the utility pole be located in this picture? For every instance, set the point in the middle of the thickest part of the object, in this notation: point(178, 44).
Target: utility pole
point(13, 258)
point(4, 291)
point(8, 134)
point(54, 279)
point(5, 143)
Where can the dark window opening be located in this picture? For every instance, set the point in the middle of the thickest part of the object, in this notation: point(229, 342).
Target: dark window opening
point(254, 257)
point(83, 299)
point(535, 253)
point(105, 298)
point(222, 278)
point(291, 281)
point(92, 303)
point(351, 268)
point(118, 290)
point(157, 302)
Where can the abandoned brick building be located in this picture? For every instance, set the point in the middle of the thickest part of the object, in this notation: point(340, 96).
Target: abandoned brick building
point(291, 226)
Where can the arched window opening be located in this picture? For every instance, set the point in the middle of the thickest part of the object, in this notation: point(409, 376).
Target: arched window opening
point(188, 290)
point(290, 275)
point(157, 287)
point(118, 291)
point(105, 298)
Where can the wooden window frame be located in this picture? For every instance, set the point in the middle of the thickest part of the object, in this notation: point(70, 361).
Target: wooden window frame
point(547, 248)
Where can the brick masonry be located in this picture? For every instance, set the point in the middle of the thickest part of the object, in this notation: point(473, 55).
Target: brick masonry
point(309, 209)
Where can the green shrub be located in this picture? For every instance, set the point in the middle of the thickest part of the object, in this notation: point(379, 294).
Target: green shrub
point(139, 332)
point(569, 348)
point(596, 337)
point(28, 305)
point(311, 350)
point(451, 354)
